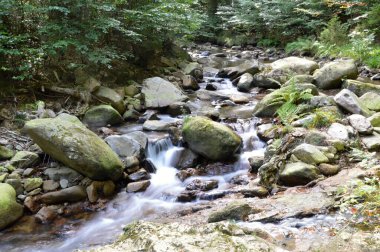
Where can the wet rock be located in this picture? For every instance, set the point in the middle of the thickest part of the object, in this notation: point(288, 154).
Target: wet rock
point(187, 196)
point(376, 77)
point(190, 83)
point(187, 173)
point(351, 103)
point(178, 108)
point(110, 96)
point(375, 120)
point(294, 65)
point(139, 175)
point(47, 214)
point(71, 194)
point(32, 193)
point(64, 183)
point(263, 131)
point(131, 162)
point(297, 79)
point(160, 93)
point(32, 204)
point(298, 173)
point(67, 140)
point(210, 139)
point(10, 210)
point(156, 125)
point(237, 211)
point(138, 186)
point(309, 154)
point(57, 174)
point(361, 124)
point(211, 87)
point(251, 67)
point(330, 75)
point(329, 169)
point(268, 106)
point(24, 159)
point(202, 185)
point(149, 166)
point(32, 183)
point(361, 88)
point(131, 115)
point(242, 179)
point(245, 82)
point(371, 100)
point(372, 143)
point(6, 153)
point(263, 81)
point(256, 191)
point(124, 146)
point(255, 162)
point(239, 99)
point(50, 185)
point(102, 115)
point(187, 159)
point(339, 131)
point(194, 69)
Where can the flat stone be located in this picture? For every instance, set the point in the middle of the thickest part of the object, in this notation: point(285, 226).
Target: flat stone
point(309, 154)
point(138, 186)
point(339, 131)
point(124, 146)
point(57, 174)
point(298, 173)
point(371, 100)
point(372, 143)
point(71, 194)
point(156, 125)
point(139, 175)
point(50, 185)
point(237, 211)
point(361, 124)
point(32, 183)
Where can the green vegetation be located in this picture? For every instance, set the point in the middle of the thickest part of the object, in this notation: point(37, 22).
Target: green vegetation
point(321, 118)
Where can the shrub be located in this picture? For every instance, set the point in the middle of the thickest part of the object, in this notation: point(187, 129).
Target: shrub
point(301, 46)
point(335, 33)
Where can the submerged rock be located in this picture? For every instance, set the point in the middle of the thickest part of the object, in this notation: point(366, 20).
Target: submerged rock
point(10, 210)
point(210, 139)
point(331, 75)
point(298, 173)
point(237, 211)
point(67, 140)
point(160, 93)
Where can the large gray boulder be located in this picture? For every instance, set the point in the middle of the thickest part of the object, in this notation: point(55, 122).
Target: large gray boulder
point(210, 139)
point(111, 97)
point(298, 173)
point(348, 101)
point(251, 67)
point(125, 146)
point(102, 115)
point(160, 93)
point(331, 75)
point(271, 102)
point(294, 65)
point(10, 210)
point(67, 140)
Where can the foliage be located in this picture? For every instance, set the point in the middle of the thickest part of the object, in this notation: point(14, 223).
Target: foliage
point(289, 111)
point(301, 46)
point(361, 199)
point(335, 33)
point(373, 19)
point(321, 118)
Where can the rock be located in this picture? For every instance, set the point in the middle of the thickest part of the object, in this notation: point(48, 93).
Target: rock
point(376, 77)
point(256, 191)
point(6, 153)
point(322, 101)
point(102, 115)
point(375, 120)
point(28, 172)
point(210, 139)
point(360, 123)
point(351, 103)
point(309, 154)
point(245, 82)
point(159, 93)
point(329, 169)
point(50, 185)
point(140, 137)
point(91, 84)
point(263, 130)
point(131, 115)
point(255, 162)
point(24, 159)
point(294, 65)
point(67, 140)
point(194, 69)
point(92, 193)
point(361, 88)
point(371, 100)
point(271, 102)
point(263, 81)
point(315, 137)
point(64, 183)
point(47, 214)
point(71, 194)
point(202, 185)
point(124, 146)
point(189, 83)
point(372, 143)
point(298, 173)
point(187, 159)
point(132, 89)
point(178, 108)
point(158, 125)
point(330, 75)
point(138, 186)
point(57, 174)
point(32, 183)
point(251, 67)
point(110, 96)
point(339, 131)
point(239, 99)
point(16, 183)
point(187, 173)
point(297, 79)
point(139, 175)
point(237, 211)
point(211, 87)
point(10, 210)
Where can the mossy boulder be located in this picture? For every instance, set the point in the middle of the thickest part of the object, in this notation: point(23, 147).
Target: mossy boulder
point(271, 102)
point(111, 97)
point(371, 100)
point(5, 153)
point(67, 140)
point(10, 210)
point(102, 115)
point(298, 173)
point(331, 75)
point(237, 211)
point(210, 139)
point(294, 65)
point(360, 88)
point(24, 159)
